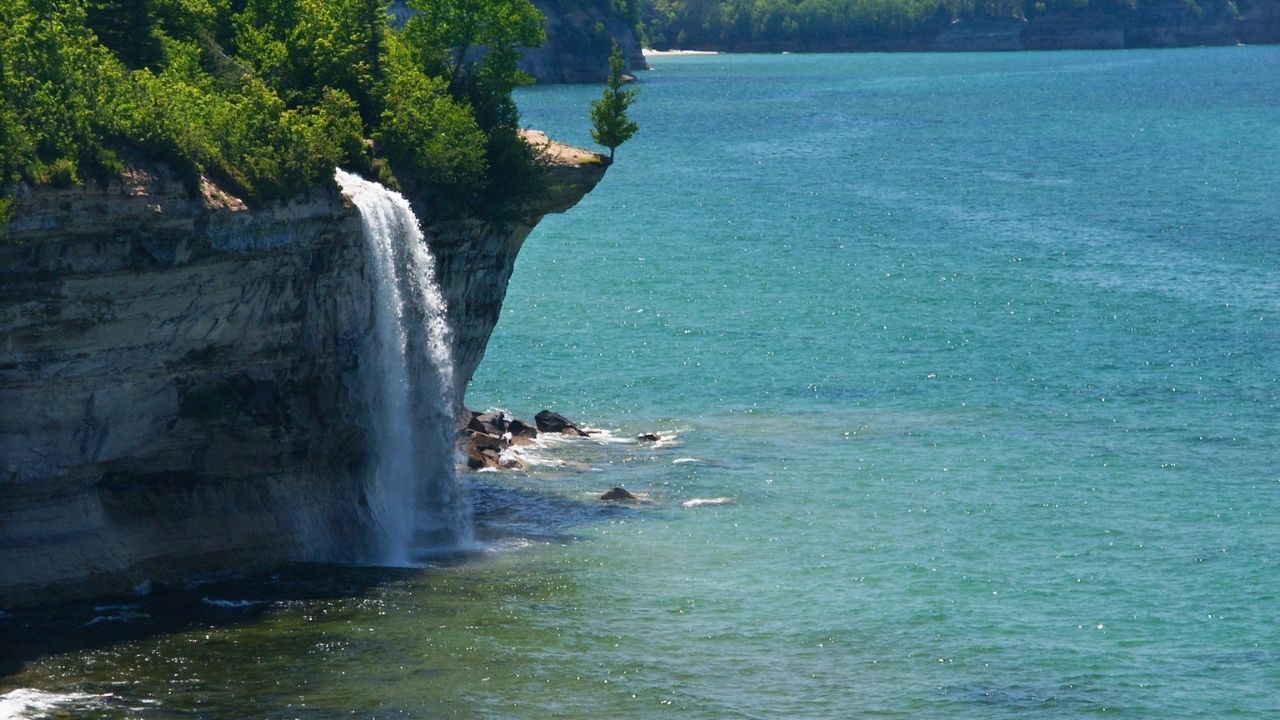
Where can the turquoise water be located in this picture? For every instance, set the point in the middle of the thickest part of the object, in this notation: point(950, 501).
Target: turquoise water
point(982, 350)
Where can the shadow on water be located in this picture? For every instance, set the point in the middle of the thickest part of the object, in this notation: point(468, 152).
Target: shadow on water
point(503, 514)
point(28, 634)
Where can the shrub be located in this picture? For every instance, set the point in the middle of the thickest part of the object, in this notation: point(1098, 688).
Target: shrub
point(265, 96)
point(432, 139)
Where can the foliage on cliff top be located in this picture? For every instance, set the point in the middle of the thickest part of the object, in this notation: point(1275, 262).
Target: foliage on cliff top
point(265, 96)
point(822, 23)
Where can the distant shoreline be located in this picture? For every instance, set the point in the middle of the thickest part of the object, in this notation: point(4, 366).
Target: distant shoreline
point(1155, 24)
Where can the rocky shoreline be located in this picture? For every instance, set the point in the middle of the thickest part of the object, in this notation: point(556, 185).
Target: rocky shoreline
point(485, 437)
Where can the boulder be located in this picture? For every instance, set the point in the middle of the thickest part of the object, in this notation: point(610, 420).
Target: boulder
point(554, 422)
point(483, 449)
point(511, 463)
point(619, 494)
point(521, 431)
point(485, 441)
point(648, 437)
point(488, 423)
point(475, 460)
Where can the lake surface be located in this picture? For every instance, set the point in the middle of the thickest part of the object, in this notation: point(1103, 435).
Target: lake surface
point(968, 373)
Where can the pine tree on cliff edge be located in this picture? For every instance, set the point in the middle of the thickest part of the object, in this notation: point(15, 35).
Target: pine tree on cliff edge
point(610, 125)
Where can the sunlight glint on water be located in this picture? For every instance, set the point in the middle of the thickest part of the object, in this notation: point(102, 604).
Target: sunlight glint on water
point(967, 369)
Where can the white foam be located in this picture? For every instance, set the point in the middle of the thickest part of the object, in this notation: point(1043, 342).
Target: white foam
point(667, 439)
point(26, 703)
point(530, 456)
point(231, 604)
point(508, 545)
point(605, 437)
point(122, 616)
point(700, 502)
point(685, 460)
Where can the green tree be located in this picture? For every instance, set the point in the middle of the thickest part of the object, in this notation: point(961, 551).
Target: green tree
point(455, 38)
point(431, 138)
point(610, 125)
point(128, 28)
point(475, 45)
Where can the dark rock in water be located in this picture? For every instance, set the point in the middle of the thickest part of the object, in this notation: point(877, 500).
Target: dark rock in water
point(483, 449)
point(618, 493)
point(511, 463)
point(475, 460)
point(554, 422)
point(521, 431)
point(648, 437)
point(485, 441)
point(488, 423)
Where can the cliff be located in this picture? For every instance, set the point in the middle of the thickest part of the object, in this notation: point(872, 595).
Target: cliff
point(579, 39)
point(179, 385)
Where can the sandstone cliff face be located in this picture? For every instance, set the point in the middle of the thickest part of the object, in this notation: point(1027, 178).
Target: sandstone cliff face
point(579, 40)
point(180, 393)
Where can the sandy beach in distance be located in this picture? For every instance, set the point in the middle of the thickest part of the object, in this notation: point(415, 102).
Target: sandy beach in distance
point(648, 52)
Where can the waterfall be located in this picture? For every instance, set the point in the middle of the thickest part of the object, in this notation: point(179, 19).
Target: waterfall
point(415, 497)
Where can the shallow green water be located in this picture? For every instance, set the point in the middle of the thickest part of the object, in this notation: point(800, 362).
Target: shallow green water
point(985, 349)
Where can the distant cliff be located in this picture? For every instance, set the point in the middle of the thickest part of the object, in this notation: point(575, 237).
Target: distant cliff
point(579, 39)
point(180, 391)
point(580, 35)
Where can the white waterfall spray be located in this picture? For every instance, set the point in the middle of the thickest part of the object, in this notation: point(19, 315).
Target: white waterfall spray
point(417, 501)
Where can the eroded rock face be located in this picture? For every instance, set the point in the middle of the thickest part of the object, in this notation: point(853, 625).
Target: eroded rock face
point(580, 37)
point(180, 393)
point(176, 385)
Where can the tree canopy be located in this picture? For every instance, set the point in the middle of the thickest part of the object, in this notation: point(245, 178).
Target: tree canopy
point(816, 24)
point(266, 96)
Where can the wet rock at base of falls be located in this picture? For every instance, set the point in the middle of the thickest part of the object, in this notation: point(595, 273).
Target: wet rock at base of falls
point(521, 432)
point(553, 422)
point(488, 423)
point(485, 441)
point(483, 449)
point(619, 494)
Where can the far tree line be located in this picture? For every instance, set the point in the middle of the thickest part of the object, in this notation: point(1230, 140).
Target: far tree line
point(726, 24)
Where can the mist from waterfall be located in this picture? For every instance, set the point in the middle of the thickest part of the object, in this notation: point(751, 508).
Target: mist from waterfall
point(417, 502)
